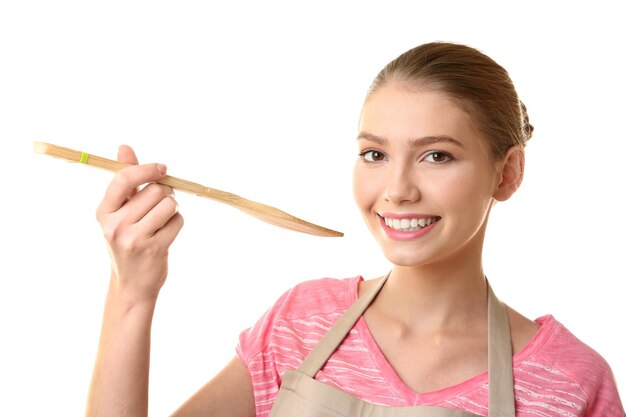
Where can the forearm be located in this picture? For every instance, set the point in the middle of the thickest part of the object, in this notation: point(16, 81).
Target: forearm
point(139, 225)
point(119, 385)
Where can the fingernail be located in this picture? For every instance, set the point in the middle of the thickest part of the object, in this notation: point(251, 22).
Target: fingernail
point(162, 168)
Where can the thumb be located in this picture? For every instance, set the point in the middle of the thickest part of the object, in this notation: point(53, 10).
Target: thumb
point(126, 154)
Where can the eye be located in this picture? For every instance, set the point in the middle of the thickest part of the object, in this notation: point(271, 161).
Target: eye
point(372, 156)
point(438, 157)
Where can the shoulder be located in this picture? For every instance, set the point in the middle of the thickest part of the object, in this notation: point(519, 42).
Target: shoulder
point(564, 349)
point(324, 295)
point(563, 360)
point(301, 314)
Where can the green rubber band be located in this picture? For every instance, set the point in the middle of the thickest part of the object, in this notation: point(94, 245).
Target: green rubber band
point(84, 156)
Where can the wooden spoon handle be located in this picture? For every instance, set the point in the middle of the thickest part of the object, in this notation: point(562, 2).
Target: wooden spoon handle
point(261, 211)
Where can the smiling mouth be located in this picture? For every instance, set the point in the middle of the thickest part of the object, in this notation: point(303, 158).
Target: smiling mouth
point(409, 224)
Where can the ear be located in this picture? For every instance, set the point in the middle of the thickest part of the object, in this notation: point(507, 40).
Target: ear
point(511, 172)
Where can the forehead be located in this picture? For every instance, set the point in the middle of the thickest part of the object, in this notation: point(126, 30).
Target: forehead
point(397, 111)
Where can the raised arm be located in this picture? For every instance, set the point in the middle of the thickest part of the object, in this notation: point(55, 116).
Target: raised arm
point(139, 226)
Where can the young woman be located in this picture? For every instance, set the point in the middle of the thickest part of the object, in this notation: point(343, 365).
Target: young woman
point(441, 139)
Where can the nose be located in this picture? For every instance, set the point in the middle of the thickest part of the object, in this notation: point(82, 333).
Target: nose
point(401, 187)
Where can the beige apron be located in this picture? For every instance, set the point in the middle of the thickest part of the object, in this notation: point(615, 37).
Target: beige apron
point(301, 395)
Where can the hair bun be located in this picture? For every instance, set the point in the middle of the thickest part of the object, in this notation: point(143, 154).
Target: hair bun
point(527, 128)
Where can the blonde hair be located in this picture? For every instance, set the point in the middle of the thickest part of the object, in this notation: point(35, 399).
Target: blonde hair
point(480, 85)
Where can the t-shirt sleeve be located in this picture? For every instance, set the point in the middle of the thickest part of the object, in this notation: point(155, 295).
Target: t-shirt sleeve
point(254, 340)
point(262, 368)
point(604, 400)
point(286, 333)
point(589, 370)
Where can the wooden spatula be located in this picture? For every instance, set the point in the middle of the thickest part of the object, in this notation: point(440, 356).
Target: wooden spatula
point(260, 211)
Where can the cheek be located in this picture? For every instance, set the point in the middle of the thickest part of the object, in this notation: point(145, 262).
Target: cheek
point(364, 187)
point(460, 189)
point(468, 193)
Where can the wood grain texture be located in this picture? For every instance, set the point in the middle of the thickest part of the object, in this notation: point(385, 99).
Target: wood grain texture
point(261, 211)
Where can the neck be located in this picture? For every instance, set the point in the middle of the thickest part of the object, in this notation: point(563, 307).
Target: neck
point(444, 295)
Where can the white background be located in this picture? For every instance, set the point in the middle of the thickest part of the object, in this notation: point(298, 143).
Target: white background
point(262, 99)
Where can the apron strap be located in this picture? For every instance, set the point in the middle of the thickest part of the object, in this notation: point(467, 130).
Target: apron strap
point(500, 371)
point(501, 390)
point(329, 343)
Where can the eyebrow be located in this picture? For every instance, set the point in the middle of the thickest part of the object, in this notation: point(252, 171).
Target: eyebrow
point(422, 141)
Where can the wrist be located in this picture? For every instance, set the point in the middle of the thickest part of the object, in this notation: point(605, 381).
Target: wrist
point(125, 298)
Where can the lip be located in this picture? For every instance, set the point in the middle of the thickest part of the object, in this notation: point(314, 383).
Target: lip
point(400, 235)
point(406, 215)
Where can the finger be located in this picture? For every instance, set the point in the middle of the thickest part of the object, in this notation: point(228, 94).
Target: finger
point(127, 155)
point(157, 217)
point(126, 181)
point(166, 235)
point(144, 201)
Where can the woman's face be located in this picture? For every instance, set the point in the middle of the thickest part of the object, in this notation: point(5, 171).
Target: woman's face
point(424, 180)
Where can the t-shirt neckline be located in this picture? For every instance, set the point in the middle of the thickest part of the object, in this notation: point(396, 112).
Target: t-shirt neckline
point(546, 324)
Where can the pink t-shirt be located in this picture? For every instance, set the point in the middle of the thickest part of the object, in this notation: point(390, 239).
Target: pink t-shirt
point(555, 374)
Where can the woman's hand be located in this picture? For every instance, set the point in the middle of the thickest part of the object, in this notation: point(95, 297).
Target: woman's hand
point(139, 225)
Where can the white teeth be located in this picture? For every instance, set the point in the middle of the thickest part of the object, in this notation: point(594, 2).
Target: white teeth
point(409, 225)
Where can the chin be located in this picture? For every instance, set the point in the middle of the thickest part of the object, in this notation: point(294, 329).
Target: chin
point(405, 257)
